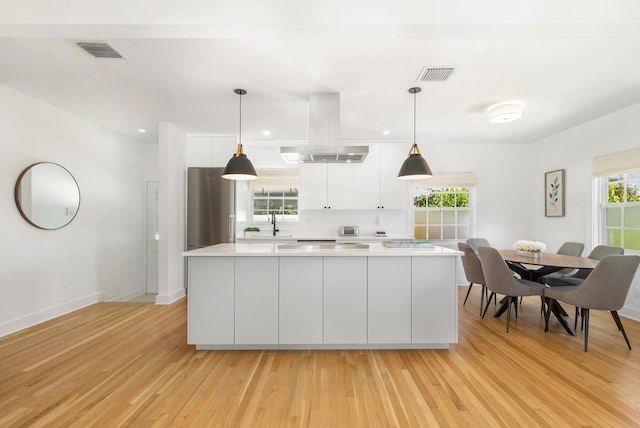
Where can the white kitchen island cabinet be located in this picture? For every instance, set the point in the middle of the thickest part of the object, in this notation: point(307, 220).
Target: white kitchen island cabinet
point(389, 297)
point(264, 296)
point(300, 300)
point(345, 300)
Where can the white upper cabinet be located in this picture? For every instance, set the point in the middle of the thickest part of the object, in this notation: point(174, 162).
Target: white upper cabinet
point(326, 186)
point(210, 151)
point(376, 183)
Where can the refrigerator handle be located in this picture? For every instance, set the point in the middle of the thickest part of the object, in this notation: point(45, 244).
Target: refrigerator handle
point(232, 228)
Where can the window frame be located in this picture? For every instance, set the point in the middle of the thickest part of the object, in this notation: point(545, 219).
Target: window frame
point(604, 228)
point(471, 216)
point(281, 216)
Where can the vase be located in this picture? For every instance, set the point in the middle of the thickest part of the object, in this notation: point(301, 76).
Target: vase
point(532, 254)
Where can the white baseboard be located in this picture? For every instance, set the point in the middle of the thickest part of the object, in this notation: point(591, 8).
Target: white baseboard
point(163, 299)
point(129, 296)
point(47, 314)
point(631, 313)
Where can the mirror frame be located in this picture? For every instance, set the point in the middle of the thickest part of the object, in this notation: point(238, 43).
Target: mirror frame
point(16, 195)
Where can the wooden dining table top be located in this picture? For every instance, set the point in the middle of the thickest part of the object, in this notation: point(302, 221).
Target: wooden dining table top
point(551, 259)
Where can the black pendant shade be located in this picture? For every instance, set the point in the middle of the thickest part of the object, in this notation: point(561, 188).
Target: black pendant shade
point(414, 167)
point(239, 166)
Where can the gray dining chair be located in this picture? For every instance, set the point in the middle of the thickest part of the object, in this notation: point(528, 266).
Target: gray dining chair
point(568, 249)
point(577, 277)
point(500, 280)
point(478, 242)
point(472, 271)
point(605, 289)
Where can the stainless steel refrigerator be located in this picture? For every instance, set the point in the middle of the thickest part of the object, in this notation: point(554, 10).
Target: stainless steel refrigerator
point(210, 208)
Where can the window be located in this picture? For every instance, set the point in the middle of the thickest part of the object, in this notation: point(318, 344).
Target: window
point(281, 201)
point(442, 212)
point(622, 210)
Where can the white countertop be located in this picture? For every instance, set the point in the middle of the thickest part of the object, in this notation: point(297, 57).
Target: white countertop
point(259, 249)
point(337, 238)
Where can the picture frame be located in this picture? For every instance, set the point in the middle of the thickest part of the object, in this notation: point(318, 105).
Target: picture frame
point(554, 193)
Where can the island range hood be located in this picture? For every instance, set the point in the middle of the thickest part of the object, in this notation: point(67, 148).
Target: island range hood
point(324, 136)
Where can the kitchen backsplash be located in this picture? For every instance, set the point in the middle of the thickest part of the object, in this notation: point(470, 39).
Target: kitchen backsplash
point(326, 222)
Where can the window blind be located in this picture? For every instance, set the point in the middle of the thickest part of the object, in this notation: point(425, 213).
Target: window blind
point(448, 179)
point(625, 161)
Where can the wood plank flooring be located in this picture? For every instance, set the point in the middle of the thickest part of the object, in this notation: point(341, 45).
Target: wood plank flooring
point(127, 364)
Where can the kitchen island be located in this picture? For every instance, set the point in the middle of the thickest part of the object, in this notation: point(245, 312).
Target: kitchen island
point(282, 296)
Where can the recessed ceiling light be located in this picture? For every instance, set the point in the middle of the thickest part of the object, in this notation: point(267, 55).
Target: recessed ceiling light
point(266, 132)
point(505, 112)
point(142, 131)
point(386, 132)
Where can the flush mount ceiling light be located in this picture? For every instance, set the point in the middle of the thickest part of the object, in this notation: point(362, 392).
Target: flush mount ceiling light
point(239, 166)
point(506, 112)
point(414, 167)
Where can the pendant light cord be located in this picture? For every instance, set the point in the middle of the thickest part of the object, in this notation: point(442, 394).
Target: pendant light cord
point(240, 121)
point(414, 118)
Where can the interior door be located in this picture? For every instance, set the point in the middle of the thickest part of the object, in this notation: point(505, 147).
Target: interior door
point(153, 237)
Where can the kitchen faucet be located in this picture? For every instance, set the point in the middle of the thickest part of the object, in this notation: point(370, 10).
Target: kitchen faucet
point(273, 220)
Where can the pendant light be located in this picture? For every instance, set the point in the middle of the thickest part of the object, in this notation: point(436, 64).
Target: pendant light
point(414, 167)
point(239, 166)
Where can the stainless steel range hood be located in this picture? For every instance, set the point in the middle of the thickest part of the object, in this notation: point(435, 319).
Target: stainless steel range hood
point(324, 136)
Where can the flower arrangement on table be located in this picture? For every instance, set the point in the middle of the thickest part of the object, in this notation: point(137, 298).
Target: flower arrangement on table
point(529, 248)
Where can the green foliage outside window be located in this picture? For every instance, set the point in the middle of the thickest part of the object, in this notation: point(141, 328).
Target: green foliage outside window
point(447, 197)
point(617, 193)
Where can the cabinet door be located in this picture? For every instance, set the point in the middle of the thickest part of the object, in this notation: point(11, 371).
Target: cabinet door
point(389, 300)
point(345, 300)
point(222, 148)
point(300, 300)
point(210, 302)
point(340, 186)
point(199, 151)
point(394, 193)
point(313, 186)
point(366, 180)
point(434, 309)
point(206, 151)
point(256, 300)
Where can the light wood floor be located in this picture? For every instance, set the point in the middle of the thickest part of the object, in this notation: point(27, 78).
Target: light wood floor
point(127, 364)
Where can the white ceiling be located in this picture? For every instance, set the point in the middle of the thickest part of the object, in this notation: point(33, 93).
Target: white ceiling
point(567, 62)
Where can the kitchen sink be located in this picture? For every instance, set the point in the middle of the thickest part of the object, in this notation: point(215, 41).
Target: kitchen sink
point(324, 246)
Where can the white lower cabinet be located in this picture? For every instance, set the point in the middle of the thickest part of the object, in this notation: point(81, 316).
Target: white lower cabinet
point(389, 300)
point(256, 300)
point(211, 284)
point(300, 300)
point(345, 300)
point(434, 318)
point(290, 301)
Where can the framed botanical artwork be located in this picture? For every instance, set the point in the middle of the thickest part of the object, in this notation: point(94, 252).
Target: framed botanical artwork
point(554, 193)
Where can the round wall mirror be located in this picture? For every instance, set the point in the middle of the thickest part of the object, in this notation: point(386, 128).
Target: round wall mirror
point(47, 195)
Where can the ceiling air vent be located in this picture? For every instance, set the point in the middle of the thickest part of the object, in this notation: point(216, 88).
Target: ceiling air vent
point(435, 74)
point(100, 50)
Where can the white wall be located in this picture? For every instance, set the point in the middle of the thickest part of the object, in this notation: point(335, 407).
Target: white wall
point(98, 256)
point(574, 150)
point(172, 186)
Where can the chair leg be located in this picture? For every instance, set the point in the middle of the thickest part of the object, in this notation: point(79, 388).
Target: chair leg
point(585, 320)
point(575, 323)
point(547, 314)
point(515, 304)
point(488, 301)
point(618, 321)
point(467, 296)
point(482, 295)
point(509, 302)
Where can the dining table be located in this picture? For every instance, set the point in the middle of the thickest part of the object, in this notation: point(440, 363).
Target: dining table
point(527, 267)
